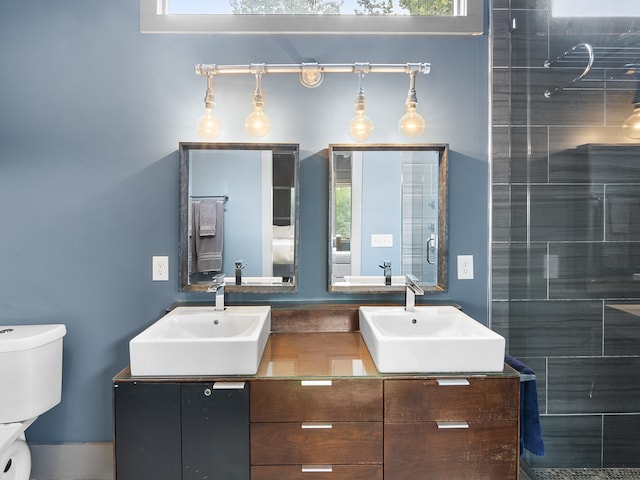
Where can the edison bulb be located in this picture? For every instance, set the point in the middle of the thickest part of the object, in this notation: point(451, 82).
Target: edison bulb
point(631, 125)
point(208, 126)
point(412, 124)
point(257, 123)
point(360, 127)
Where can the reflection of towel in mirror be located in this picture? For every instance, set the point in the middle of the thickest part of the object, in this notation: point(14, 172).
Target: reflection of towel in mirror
point(207, 217)
point(206, 251)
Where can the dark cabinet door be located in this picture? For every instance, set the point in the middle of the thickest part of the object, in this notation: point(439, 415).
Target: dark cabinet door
point(215, 431)
point(147, 431)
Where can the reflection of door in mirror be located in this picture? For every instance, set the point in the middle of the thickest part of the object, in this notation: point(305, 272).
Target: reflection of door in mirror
point(386, 207)
point(254, 192)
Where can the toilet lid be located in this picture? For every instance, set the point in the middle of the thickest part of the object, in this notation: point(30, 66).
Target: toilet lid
point(25, 337)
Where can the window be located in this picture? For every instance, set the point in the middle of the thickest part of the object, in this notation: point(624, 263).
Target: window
point(595, 8)
point(313, 16)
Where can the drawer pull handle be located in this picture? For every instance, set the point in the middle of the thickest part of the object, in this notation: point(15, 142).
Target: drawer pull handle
point(228, 386)
point(315, 383)
point(445, 425)
point(317, 468)
point(310, 425)
point(452, 382)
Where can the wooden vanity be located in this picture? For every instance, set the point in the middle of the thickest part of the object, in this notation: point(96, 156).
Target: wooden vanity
point(317, 409)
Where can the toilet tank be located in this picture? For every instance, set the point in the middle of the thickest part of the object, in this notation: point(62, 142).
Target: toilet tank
point(30, 370)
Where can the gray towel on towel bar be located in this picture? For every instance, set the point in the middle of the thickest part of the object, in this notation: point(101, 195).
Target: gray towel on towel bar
point(207, 217)
point(206, 251)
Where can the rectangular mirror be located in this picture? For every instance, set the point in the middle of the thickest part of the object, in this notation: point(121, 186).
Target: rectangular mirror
point(387, 204)
point(239, 214)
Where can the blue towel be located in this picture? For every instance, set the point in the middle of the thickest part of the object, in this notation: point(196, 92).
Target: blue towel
point(530, 429)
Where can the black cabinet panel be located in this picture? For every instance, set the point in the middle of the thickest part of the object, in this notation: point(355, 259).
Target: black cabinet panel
point(147, 431)
point(215, 432)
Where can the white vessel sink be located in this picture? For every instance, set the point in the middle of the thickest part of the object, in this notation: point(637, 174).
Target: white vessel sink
point(202, 341)
point(430, 339)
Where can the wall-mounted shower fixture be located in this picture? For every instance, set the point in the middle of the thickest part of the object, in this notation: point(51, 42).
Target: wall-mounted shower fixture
point(566, 55)
point(620, 71)
point(311, 75)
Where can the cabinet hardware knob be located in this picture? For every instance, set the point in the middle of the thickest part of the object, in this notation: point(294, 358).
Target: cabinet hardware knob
point(207, 392)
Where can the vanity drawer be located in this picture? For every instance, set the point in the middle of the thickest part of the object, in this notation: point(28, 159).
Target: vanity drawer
point(317, 472)
point(442, 399)
point(343, 443)
point(341, 400)
point(425, 450)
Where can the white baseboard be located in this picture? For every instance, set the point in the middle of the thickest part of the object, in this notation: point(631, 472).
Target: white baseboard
point(72, 461)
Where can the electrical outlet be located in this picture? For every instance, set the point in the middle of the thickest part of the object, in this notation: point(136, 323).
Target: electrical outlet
point(465, 267)
point(160, 271)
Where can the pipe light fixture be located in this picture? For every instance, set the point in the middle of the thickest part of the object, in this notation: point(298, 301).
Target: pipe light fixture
point(361, 126)
point(412, 124)
point(257, 124)
point(209, 126)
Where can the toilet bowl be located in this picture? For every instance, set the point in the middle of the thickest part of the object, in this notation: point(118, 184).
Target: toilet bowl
point(31, 379)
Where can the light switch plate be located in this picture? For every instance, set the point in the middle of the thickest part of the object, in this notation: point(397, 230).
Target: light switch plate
point(382, 240)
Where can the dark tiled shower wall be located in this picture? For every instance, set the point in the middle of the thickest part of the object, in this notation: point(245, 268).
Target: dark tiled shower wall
point(566, 229)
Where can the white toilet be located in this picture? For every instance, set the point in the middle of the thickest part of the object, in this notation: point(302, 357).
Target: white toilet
point(31, 384)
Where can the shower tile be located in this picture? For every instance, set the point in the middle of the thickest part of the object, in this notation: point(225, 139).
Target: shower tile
point(539, 4)
point(529, 154)
point(622, 212)
point(519, 213)
point(597, 31)
point(566, 212)
point(530, 107)
point(594, 385)
point(501, 34)
point(620, 103)
point(501, 102)
point(595, 270)
point(595, 162)
point(529, 40)
point(500, 4)
point(527, 271)
point(540, 328)
point(500, 320)
point(500, 168)
point(622, 328)
point(501, 216)
point(621, 446)
point(500, 271)
point(569, 441)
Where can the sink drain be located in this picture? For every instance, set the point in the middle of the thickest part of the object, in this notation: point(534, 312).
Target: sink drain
point(6, 330)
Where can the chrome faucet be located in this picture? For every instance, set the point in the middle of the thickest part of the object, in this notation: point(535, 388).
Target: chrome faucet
point(239, 267)
point(413, 289)
point(218, 287)
point(386, 267)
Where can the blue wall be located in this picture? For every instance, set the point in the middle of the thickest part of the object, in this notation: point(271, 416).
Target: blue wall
point(91, 113)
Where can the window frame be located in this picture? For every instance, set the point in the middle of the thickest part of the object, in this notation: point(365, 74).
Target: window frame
point(153, 19)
